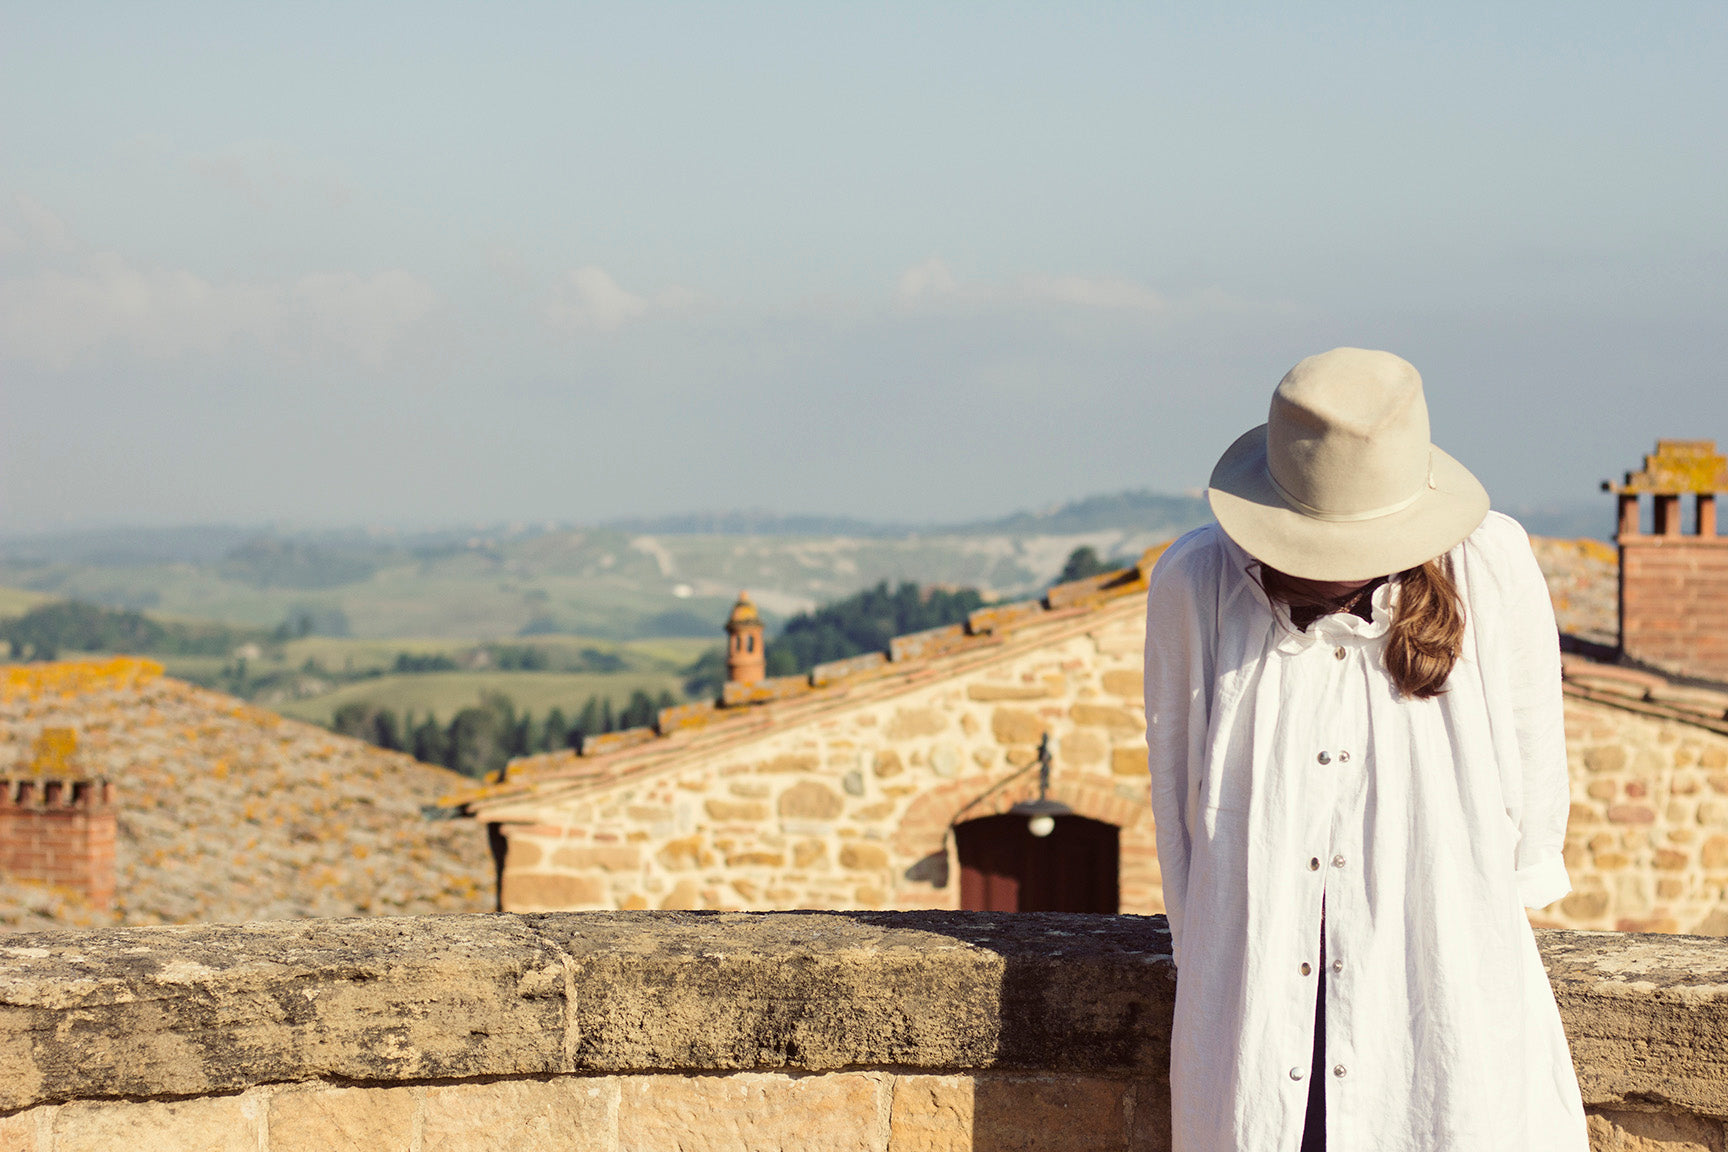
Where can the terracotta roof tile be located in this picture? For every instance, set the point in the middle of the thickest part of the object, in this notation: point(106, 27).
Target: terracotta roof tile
point(833, 670)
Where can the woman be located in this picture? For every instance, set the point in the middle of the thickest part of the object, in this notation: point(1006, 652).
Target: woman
point(1359, 780)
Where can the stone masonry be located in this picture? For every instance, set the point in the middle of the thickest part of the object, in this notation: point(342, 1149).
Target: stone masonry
point(1647, 838)
point(705, 1032)
point(847, 801)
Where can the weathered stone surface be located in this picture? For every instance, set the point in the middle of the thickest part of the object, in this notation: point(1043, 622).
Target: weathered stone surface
point(863, 857)
point(809, 800)
point(1614, 1130)
point(753, 1111)
point(551, 889)
point(931, 1114)
point(1646, 1016)
point(1049, 1113)
point(211, 1124)
point(604, 857)
point(985, 691)
point(342, 1120)
point(418, 1006)
point(564, 1114)
point(1017, 726)
point(1127, 682)
point(19, 1131)
point(184, 1011)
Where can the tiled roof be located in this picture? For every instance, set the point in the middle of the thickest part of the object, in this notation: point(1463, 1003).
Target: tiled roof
point(1648, 693)
point(744, 710)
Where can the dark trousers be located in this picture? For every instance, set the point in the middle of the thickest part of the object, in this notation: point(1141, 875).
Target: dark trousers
point(1314, 1127)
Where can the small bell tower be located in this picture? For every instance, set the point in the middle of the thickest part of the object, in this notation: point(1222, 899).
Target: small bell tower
point(746, 659)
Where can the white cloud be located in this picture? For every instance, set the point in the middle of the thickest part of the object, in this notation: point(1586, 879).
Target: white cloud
point(932, 278)
point(932, 284)
point(60, 302)
point(589, 299)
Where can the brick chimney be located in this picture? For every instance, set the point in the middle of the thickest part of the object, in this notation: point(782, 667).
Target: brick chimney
point(57, 823)
point(746, 657)
point(1674, 582)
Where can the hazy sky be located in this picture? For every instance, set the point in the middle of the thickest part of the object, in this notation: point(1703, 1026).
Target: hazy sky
point(422, 263)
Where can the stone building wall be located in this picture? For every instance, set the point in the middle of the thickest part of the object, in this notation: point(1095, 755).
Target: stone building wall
point(848, 803)
point(851, 806)
point(1647, 838)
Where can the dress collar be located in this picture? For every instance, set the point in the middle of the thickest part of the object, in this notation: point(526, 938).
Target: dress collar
point(1335, 630)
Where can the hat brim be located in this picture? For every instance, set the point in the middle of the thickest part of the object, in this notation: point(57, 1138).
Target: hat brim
point(1253, 513)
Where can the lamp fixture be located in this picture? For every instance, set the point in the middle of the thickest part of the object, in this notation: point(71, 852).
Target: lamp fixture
point(1043, 811)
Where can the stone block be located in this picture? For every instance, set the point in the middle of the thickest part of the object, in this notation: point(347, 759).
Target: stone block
point(550, 891)
point(1602, 790)
point(1130, 683)
point(1714, 853)
point(564, 1114)
point(1128, 762)
point(1017, 726)
point(810, 800)
point(931, 1114)
point(757, 859)
point(1632, 814)
point(1054, 1113)
point(1668, 860)
point(685, 896)
point(1625, 1131)
point(912, 723)
point(751, 1111)
point(887, 764)
point(685, 855)
point(342, 1120)
point(1106, 716)
point(863, 856)
point(1585, 905)
point(206, 1124)
point(791, 762)
point(1606, 758)
point(809, 854)
point(990, 692)
point(18, 1132)
point(602, 857)
point(736, 811)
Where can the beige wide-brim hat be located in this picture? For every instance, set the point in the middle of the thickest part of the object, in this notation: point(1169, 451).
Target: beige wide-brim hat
point(1342, 482)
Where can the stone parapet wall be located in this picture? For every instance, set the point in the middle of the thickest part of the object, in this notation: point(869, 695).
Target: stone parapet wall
point(891, 1032)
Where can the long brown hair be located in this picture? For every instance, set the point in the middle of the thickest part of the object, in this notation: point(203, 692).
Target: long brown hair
point(1427, 630)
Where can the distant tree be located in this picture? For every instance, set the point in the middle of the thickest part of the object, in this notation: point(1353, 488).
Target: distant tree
point(866, 622)
point(431, 742)
point(370, 723)
point(1082, 562)
point(478, 742)
point(705, 675)
point(554, 732)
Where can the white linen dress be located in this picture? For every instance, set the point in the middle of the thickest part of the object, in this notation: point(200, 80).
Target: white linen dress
point(1288, 777)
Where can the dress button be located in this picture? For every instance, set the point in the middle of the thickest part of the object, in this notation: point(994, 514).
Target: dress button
point(1339, 1070)
point(1296, 1073)
point(1343, 757)
point(1314, 864)
point(1305, 968)
point(1338, 653)
point(1337, 861)
point(1337, 965)
point(1324, 758)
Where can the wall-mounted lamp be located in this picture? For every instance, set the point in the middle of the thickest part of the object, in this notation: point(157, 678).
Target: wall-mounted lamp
point(1042, 811)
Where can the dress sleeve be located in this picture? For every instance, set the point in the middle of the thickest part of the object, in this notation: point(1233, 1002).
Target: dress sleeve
point(1531, 642)
point(1179, 643)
